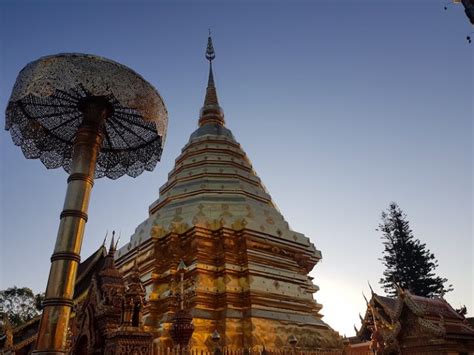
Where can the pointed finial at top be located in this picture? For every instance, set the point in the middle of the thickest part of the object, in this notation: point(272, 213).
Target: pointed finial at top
point(211, 112)
point(210, 53)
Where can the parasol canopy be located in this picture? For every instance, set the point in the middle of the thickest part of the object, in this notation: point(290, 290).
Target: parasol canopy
point(43, 114)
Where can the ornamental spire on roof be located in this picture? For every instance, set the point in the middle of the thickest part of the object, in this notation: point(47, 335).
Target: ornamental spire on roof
point(211, 112)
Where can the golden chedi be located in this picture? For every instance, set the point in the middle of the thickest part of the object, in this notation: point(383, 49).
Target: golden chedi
point(247, 269)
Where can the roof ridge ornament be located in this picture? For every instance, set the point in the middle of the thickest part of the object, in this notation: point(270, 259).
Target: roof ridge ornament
point(112, 245)
point(105, 238)
point(118, 240)
point(371, 289)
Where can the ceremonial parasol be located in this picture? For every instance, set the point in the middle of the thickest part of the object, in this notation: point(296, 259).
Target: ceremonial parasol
point(93, 117)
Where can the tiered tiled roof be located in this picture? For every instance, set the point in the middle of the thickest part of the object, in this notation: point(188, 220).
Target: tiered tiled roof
point(411, 319)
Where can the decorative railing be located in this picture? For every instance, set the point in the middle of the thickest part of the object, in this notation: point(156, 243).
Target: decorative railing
point(157, 350)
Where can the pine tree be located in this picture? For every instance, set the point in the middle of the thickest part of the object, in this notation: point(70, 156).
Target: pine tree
point(407, 262)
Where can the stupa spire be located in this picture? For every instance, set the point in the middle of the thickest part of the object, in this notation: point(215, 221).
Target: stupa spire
point(211, 112)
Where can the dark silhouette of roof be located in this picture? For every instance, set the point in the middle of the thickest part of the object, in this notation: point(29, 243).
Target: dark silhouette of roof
point(26, 333)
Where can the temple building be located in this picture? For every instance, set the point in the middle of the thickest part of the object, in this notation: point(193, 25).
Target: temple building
point(411, 324)
point(247, 271)
point(106, 317)
point(216, 252)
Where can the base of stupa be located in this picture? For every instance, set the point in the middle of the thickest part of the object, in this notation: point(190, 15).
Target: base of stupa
point(255, 333)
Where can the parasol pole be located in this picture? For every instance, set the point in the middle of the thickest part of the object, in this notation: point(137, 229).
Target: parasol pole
point(63, 111)
point(59, 294)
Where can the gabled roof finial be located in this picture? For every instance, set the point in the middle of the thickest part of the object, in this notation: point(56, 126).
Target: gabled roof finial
point(118, 240)
point(112, 245)
point(365, 298)
point(105, 238)
point(371, 289)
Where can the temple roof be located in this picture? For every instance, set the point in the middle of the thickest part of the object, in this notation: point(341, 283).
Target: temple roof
point(214, 185)
point(435, 315)
point(422, 306)
point(435, 307)
point(86, 271)
point(26, 333)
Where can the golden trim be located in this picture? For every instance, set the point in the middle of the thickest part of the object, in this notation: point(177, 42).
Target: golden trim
point(178, 179)
point(66, 256)
point(74, 213)
point(209, 191)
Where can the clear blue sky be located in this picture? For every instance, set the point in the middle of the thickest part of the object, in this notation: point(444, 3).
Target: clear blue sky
point(342, 106)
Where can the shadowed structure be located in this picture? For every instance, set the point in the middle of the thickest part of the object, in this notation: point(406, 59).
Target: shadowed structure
point(411, 324)
point(107, 313)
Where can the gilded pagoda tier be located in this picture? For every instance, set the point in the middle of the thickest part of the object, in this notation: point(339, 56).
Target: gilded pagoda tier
point(249, 269)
